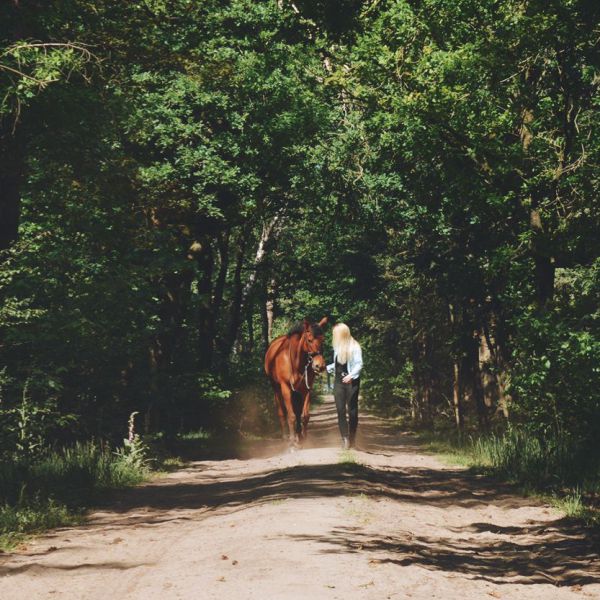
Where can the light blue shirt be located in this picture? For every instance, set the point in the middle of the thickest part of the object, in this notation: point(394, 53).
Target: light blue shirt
point(355, 362)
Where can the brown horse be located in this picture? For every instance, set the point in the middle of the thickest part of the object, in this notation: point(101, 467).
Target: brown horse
point(291, 363)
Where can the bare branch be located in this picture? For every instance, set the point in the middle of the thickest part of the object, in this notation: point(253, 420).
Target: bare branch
point(40, 82)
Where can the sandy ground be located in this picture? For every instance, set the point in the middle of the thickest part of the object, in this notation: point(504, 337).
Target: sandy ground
point(396, 523)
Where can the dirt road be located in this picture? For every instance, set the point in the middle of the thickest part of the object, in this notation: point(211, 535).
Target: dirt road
point(395, 523)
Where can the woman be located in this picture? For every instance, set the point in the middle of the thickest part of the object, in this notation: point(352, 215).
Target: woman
point(347, 364)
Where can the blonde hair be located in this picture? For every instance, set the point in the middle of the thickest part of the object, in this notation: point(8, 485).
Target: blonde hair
point(343, 342)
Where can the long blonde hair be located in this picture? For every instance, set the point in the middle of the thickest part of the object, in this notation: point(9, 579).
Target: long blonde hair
point(343, 342)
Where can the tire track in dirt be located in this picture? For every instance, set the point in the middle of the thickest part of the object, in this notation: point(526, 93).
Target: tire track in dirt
point(386, 521)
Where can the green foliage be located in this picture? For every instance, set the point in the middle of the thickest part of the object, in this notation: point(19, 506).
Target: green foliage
point(70, 476)
point(555, 373)
point(134, 454)
point(552, 462)
point(17, 521)
point(562, 468)
point(54, 489)
point(28, 68)
point(425, 172)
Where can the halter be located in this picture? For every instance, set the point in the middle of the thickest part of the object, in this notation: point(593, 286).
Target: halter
point(309, 363)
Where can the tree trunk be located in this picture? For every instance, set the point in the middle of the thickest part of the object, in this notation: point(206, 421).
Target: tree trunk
point(151, 415)
point(267, 313)
point(249, 345)
point(489, 385)
point(457, 396)
point(176, 288)
point(11, 169)
point(264, 327)
point(544, 263)
point(426, 408)
point(270, 312)
point(494, 347)
point(457, 403)
point(217, 299)
point(242, 292)
point(269, 231)
point(206, 315)
point(478, 382)
point(229, 338)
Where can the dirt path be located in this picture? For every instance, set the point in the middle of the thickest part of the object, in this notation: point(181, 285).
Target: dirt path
point(394, 524)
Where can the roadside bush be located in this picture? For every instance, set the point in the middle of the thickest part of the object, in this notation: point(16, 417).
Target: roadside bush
point(54, 489)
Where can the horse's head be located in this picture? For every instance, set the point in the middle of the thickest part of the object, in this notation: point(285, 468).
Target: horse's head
point(313, 343)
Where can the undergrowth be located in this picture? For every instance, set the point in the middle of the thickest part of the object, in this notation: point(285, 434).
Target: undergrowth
point(55, 489)
point(564, 471)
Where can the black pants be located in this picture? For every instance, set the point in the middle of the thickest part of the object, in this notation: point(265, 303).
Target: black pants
point(346, 398)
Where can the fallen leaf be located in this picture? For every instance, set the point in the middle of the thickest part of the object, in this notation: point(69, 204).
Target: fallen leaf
point(234, 562)
point(221, 578)
point(224, 557)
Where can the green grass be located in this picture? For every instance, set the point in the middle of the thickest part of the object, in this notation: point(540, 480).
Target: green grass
point(200, 434)
point(55, 489)
point(347, 457)
point(563, 471)
point(17, 522)
point(575, 507)
point(168, 465)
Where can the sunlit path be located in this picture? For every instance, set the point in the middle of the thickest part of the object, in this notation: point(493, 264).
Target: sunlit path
point(386, 521)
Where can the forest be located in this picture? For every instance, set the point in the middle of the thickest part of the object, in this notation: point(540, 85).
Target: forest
point(181, 180)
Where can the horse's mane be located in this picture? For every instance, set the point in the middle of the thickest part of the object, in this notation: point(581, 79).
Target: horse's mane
point(298, 328)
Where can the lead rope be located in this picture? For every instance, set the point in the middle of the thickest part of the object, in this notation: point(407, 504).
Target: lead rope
point(306, 371)
point(308, 363)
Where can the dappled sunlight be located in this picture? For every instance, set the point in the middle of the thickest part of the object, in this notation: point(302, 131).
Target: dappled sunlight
point(395, 510)
point(562, 556)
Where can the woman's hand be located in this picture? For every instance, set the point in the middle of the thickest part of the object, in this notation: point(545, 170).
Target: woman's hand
point(347, 379)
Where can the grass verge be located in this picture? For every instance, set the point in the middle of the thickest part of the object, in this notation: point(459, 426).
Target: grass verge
point(562, 471)
point(56, 489)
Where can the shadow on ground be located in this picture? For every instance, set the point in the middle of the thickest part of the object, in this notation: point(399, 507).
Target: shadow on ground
point(555, 552)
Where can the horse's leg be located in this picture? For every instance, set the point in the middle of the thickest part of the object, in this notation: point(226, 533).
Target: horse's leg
point(305, 415)
point(286, 393)
point(280, 409)
point(297, 403)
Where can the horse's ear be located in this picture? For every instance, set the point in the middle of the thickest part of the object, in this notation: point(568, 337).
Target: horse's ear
point(323, 322)
point(306, 324)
